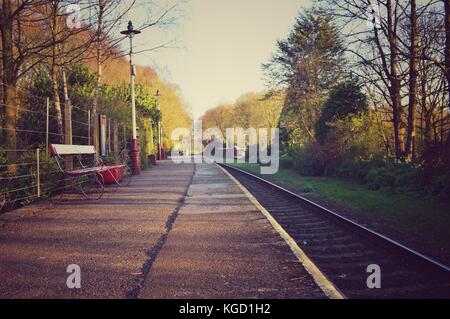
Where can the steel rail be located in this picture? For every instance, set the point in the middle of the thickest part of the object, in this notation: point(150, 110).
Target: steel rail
point(348, 221)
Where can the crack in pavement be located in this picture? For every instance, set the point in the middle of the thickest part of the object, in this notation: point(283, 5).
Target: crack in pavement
point(154, 251)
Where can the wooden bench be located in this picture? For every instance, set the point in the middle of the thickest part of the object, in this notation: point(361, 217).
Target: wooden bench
point(89, 177)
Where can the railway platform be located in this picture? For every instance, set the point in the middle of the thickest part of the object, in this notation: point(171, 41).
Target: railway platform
point(178, 231)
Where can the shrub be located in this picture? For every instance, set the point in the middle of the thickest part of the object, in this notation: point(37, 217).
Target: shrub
point(445, 190)
point(286, 162)
point(144, 161)
point(332, 168)
point(17, 185)
point(410, 180)
point(110, 159)
point(351, 169)
point(375, 173)
point(380, 177)
point(309, 160)
point(50, 174)
point(440, 186)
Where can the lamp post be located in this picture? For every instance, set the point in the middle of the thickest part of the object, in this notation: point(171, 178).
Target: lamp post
point(135, 150)
point(160, 149)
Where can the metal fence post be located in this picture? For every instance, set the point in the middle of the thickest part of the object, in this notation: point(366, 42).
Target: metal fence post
point(38, 173)
point(89, 127)
point(109, 136)
point(124, 138)
point(47, 125)
point(115, 138)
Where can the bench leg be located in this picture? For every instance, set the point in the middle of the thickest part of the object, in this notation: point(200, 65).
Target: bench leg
point(62, 189)
point(91, 186)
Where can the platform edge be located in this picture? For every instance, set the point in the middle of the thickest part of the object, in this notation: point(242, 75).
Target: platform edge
point(328, 288)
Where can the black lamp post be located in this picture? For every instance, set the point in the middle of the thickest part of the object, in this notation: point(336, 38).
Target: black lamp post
point(160, 146)
point(135, 149)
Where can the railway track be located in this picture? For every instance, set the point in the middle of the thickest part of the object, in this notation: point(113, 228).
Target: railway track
point(343, 249)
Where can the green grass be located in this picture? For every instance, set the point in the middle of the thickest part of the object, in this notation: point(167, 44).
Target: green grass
point(405, 216)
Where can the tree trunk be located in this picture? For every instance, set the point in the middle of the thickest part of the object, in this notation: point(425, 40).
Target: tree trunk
point(397, 120)
point(65, 85)
point(395, 84)
point(67, 108)
point(67, 118)
point(447, 63)
point(56, 99)
point(9, 80)
point(54, 74)
point(413, 64)
point(67, 105)
point(442, 126)
point(94, 125)
point(428, 133)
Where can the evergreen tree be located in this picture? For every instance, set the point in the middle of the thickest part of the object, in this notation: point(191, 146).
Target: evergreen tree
point(346, 99)
point(308, 64)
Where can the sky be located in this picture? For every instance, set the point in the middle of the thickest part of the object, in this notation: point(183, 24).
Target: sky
point(221, 45)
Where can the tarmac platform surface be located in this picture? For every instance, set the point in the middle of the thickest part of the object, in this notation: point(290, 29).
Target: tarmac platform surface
point(178, 231)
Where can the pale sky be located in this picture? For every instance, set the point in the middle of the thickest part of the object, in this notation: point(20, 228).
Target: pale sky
point(222, 46)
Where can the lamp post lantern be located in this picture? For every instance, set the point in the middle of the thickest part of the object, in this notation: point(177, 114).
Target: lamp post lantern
point(135, 150)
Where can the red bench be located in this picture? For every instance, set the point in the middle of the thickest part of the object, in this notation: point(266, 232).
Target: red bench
point(91, 174)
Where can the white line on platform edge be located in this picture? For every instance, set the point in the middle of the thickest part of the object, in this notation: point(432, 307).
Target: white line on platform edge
point(329, 289)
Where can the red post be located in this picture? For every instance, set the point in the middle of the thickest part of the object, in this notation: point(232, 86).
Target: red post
point(136, 157)
point(161, 153)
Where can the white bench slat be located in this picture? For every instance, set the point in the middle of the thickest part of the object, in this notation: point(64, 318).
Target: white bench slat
point(62, 149)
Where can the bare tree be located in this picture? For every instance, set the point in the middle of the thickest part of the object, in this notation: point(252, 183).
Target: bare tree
point(387, 56)
point(447, 61)
point(98, 61)
point(107, 37)
point(35, 32)
point(9, 74)
point(55, 32)
point(410, 148)
point(31, 32)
